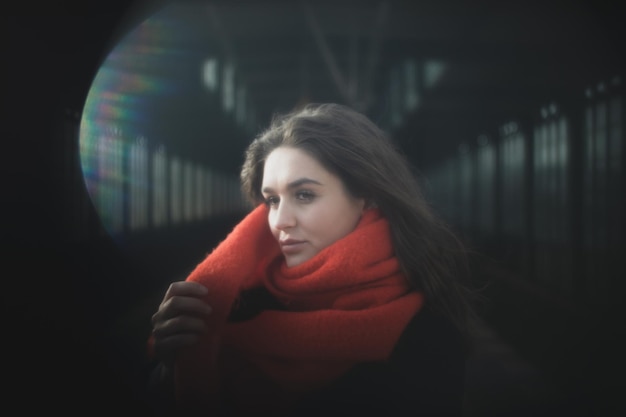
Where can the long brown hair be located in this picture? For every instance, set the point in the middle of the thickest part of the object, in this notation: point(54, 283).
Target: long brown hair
point(352, 147)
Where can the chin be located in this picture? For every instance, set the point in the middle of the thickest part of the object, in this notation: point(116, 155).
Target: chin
point(292, 262)
point(296, 260)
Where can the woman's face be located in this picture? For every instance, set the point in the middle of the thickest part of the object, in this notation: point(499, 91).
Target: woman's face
point(309, 207)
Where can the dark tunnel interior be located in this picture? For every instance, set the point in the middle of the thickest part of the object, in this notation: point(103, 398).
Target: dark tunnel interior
point(125, 126)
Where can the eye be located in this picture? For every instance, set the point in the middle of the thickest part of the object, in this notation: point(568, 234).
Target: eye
point(305, 196)
point(271, 201)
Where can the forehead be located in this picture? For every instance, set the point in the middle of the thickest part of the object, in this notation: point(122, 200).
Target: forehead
point(287, 164)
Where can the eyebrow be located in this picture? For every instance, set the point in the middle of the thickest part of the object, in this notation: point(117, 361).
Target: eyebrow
point(294, 184)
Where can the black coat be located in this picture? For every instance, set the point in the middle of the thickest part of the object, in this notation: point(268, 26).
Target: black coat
point(424, 376)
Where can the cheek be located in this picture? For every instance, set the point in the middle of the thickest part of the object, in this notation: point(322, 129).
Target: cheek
point(350, 219)
point(327, 226)
point(270, 222)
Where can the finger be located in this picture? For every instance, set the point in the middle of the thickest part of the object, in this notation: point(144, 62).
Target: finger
point(179, 325)
point(179, 305)
point(185, 288)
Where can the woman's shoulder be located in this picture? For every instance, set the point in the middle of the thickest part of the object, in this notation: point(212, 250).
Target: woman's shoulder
point(427, 366)
point(431, 356)
point(427, 334)
point(424, 376)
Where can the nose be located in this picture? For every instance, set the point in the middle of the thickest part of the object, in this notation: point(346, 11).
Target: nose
point(282, 217)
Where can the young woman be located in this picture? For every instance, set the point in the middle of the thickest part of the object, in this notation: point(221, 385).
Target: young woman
point(340, 292)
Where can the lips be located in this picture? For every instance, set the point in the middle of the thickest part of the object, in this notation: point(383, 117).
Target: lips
point(291, 245)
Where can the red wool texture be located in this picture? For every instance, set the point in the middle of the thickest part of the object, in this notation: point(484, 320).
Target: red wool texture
point(346, 305)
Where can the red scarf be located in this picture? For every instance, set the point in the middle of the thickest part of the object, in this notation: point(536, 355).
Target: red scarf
point(347, 304)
